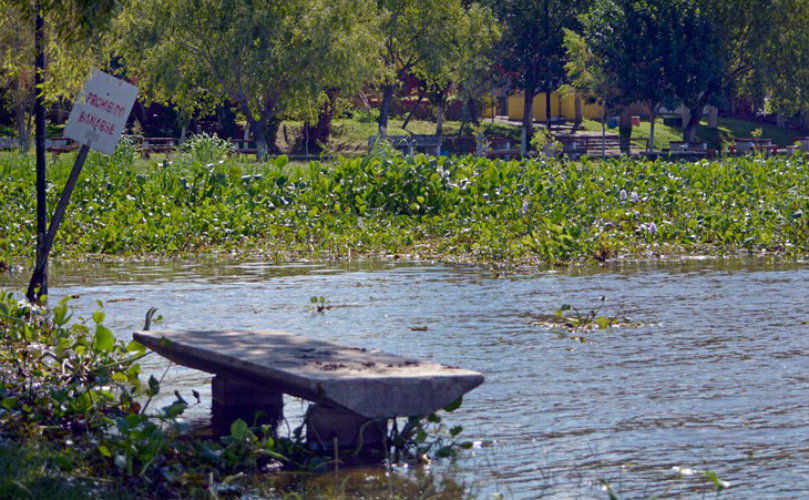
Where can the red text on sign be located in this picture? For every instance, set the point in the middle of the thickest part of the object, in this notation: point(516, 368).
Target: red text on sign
point(96, 123)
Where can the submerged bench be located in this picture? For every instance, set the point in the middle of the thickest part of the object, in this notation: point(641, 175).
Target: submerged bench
point(354, 391)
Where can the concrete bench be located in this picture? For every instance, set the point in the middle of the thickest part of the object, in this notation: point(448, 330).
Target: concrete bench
point(574, 146)
point(506, 154)
point(244, 146)
point(355, 391)
point(60, 145)
point(9, 143)
point(164, 145)
point(410, 144)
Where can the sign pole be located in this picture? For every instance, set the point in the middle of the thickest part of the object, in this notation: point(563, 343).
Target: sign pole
point(96, 121)
point(41, 173)
point(35, 286)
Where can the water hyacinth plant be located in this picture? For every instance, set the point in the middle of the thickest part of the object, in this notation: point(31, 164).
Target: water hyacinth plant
point(544, 212)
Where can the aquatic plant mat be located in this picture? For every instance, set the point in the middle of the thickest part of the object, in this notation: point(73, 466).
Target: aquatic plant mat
point(462, 209)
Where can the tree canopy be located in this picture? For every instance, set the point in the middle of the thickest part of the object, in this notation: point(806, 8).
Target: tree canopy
point(272, 60)
point(74, 42)
point(261, 55)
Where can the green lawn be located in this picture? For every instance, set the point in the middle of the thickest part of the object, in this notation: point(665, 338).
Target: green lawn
point(723, 135)
point(663, 133)
point(732, 127)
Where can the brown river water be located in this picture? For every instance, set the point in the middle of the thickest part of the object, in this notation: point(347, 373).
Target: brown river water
point(712, 375)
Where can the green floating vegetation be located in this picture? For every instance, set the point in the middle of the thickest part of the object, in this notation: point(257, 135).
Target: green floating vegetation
point(542, 212)
point(571, 322)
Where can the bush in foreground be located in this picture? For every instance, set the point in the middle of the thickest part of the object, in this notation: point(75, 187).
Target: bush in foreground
point(76, 421)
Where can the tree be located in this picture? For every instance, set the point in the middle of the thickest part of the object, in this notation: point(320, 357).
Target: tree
point(696, 59)
point(589, 78)
point(479, 35)
point(784, 73)
point(414, 31)
point(75, 23)
point(532, 49)
point(17, 76)
point(67, 63)
point(749, 45)
point(464, 59)
point(631, 38)
point(264, 56)
point(691, 51)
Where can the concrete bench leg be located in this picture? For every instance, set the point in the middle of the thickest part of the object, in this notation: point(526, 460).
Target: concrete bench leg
point(235, 398)
point(352, 432)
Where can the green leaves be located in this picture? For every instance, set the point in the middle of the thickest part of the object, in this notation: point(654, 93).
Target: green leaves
point(103, 340)
point(239, 429)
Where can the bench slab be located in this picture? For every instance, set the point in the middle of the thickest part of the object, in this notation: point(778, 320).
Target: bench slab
point(369, 383)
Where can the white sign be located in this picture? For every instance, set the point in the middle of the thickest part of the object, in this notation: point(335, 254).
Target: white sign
point(99, 114)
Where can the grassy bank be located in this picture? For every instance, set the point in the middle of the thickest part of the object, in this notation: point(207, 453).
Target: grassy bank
point(730, 128)
point(456, 208)
point(664, 134)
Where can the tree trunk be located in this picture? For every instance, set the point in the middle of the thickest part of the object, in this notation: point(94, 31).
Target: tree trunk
point(578, 109)
point(318, 134)
point(713, 117)
point(23, 131)
point(548, 108)
point(258, 129)
point(384, 109)
point(40, 288)
point(474, 115)
point(422, 93)
point(625, 131)
point(439, 118)
point(690, 127)
point(527, 121)
point(604, 132)
point(652, 118)
point(271, 127)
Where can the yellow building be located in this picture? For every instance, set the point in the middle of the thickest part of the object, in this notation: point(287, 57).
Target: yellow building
point(562, 106)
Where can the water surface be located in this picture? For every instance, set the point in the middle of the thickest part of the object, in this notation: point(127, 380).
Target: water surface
point(717, 376)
